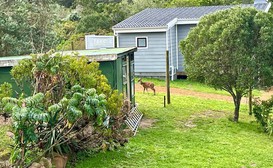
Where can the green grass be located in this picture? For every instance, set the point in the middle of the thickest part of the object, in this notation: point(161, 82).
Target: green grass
point(214, 142)
point(190, 85)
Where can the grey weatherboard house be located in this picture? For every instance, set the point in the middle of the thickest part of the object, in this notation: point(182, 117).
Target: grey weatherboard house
point(155, 30)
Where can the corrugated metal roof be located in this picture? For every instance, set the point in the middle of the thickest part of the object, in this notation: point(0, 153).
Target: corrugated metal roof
point(98, 52)
point(97, 55)
point(160, 17)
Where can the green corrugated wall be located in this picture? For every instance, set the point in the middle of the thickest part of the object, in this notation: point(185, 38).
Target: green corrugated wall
point(5, 76)
point(108, 69)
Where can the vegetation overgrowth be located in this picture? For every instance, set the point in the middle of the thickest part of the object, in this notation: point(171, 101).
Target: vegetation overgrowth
point(40, 25)
point(71, 108)
point(190, 132)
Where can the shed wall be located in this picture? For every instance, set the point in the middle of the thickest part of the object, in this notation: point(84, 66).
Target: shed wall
point(108, 69)
point(5, 76)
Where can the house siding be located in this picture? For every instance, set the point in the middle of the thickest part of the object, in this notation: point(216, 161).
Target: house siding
point(149, 60)
point(183, 31)
point(172, 48)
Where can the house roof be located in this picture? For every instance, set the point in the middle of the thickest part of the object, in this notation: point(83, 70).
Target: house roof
point(161, 17)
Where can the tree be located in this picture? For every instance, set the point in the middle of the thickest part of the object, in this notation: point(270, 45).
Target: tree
point(28, 26)
point(231, 50)
point(134, 6)
point(66, 3)
point(100, 16)
point(182, 3)
point(93, 22)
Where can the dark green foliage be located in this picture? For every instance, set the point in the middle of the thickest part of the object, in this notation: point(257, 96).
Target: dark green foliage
point(66, 3)
point(179, 3)
point(93, 22)
point(74, 17)
point(231, 50)
point(38, 26)
point(5, 91)
point(27, 27)
point(263, 112)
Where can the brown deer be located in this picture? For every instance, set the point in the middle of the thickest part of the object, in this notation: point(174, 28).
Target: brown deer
point(147, 85)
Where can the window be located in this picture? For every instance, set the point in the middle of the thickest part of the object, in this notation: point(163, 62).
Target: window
point(142, 42)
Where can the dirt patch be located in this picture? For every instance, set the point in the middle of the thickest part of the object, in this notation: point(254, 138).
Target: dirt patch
point(190, 124)
point(147, 123)
point(211, 96)
point(267, 95)
point(206, 114)
point(209, 114)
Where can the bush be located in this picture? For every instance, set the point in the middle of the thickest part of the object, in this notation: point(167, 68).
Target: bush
point(264, 114)
point(5, 91)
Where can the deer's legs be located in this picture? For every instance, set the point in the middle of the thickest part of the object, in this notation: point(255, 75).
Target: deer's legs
point(153, 90)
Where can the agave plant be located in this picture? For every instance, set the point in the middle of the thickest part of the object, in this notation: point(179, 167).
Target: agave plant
point(52, 128)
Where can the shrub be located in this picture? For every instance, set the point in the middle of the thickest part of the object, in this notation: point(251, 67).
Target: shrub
point(5, 91)
point(263, 112)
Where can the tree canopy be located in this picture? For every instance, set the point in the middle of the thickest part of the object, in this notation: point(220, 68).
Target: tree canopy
point(38, 26)
point(27, 27)
point(231, 50)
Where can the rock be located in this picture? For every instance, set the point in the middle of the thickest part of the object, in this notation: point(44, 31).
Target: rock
point(10, 134)
point(59, 161)
point(5, 164)
point(45, 162)
point(35, 165)
point(88, 130)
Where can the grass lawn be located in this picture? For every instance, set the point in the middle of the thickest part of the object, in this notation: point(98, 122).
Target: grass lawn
point(191, 132)
point(210, 139)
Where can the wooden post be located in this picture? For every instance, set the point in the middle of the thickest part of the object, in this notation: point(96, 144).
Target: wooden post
point(164, 101)
point(128, 78)
point(168, 77)
point(72, 45)
point(250, 101)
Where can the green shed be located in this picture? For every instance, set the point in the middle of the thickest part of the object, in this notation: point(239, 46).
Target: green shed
point(117, 64)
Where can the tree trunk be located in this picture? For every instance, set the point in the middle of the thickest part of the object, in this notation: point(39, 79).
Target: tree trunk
point(237, 102)
point(250, 101)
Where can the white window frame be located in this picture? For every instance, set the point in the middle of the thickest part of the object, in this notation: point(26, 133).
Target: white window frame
point(142, 37)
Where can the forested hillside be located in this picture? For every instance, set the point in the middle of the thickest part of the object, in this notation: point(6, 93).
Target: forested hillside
point(36, 26)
